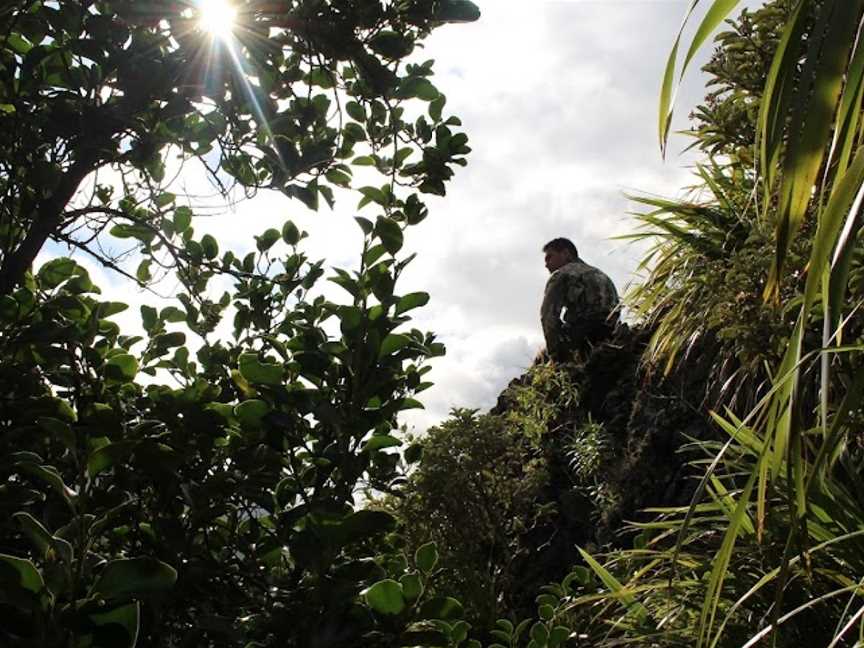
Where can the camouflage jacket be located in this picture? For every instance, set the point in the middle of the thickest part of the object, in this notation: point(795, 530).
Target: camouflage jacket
point(578, 297)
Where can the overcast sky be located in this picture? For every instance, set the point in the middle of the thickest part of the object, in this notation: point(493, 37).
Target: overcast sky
point(559, 99)
point(560, 102)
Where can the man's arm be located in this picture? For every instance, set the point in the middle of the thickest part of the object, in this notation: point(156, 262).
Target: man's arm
point(550, 315)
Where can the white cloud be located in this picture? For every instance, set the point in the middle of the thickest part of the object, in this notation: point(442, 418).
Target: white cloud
point(559, 100)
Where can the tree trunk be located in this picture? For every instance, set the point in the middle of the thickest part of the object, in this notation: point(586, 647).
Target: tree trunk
point(48, 220)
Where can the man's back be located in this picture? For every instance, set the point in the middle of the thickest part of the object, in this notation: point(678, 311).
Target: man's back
point(579, 307)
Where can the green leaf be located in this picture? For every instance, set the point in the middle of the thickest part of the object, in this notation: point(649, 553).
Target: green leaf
point(437, 107)
point(257, 372)
point(182, 219)
point(365, 524)
point(546, 612)
point(19, 575)
point(109, 626)
point(393, 343)
point(356, 111)
point(413, 453)
point(351, 318)
point(457, 11)
point(106, 456)
point(371, 194)
point(164, 199)
point(169, 340)
point(290, 233)
point(266, 240)
point(558, 636)
point(379, 442)
point(417, 87)
point(426, 557)
point(122, 367)
point(339, 177)
point(506, 626)
point(251, 412)
point(385, 597)
point(354, 132)
point(410, 301)
point(373, 254)
point(172, 314)
point(442, 607)
point(580, 574)
point(412, 587)
point(365, 224)
point(134, 577)
point(459, 632)
point(390, 234)
point(33, 529)
point(720, 561)
point(391, 44)
point(107, 309)
point(209, 246)
point(346, 282)
point(539, 634)
point(143, 233)
point(321, 77)
point(715, 15)
point(48, 546)
point(149, 317)
point(55, 272)
point(49, 475)
point(18, 43)
point(410, 403)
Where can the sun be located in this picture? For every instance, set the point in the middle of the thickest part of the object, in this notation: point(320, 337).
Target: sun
point(216, 17)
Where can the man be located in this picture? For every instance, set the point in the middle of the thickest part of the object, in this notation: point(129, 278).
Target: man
point(579, 304)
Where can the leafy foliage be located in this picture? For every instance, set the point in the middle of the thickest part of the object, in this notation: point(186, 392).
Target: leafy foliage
point(298, 96)
point(475, 493)
point(184, 487)
point(761, 551)
point(709, 260)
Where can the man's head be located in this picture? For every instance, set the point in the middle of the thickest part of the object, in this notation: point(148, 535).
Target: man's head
point(559, 252)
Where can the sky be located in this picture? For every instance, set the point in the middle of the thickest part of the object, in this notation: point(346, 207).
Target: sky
point(560, 102)
point(559, 99)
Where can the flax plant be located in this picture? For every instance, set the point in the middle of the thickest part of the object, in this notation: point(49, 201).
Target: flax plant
point(702, 282)
point(771, 544)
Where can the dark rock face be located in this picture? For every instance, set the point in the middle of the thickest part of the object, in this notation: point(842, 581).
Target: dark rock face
point(606, 434)
point(646, 419)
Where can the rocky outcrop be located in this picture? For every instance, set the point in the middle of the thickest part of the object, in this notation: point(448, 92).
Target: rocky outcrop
point(645, 419)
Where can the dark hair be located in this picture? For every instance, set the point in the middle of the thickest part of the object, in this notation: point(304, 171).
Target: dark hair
point(562, 245)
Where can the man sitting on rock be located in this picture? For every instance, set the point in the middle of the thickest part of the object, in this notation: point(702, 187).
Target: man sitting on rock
point(580, 303)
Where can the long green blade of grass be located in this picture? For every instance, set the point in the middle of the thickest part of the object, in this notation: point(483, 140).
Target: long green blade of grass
point(772, 575)
point(849, 113)
point(776, 97)
point(811, 123)
point(668, 89)
point(715, 15)
point(721, 563)
point(615, 586)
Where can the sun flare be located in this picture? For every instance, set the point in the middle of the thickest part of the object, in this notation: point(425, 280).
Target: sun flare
point(216, 17)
